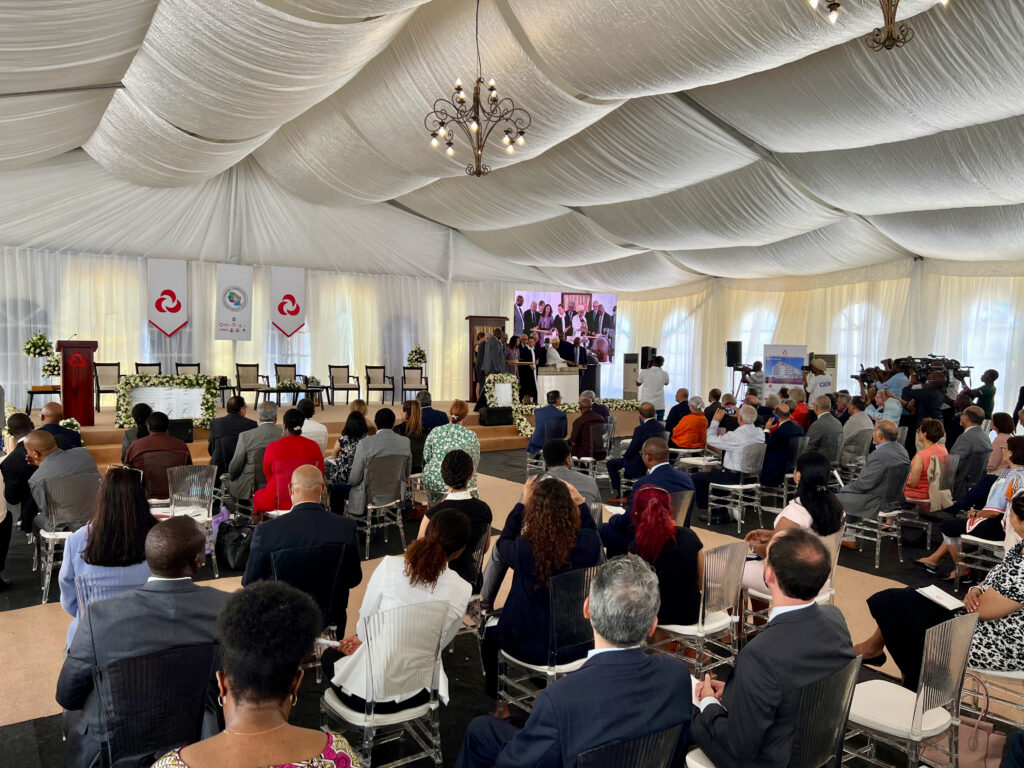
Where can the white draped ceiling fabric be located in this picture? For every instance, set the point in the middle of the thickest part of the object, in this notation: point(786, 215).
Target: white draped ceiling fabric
point(732, 170)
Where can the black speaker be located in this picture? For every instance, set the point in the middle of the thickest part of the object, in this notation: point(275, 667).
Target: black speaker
point(495, 417)
point(181, 429)
point(647, 354)
point(733, 353)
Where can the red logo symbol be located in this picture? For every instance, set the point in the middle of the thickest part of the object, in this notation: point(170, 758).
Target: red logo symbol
point(77, 360)
point(167, 301)
point(288, 306)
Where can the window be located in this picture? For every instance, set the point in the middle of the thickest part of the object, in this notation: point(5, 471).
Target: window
point(854, 338)
point(757, 328)
point(677, 334)
point(987, 341)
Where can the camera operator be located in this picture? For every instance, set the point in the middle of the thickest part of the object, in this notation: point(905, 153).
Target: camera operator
point(897, 377)
point(985, 396)
point(753, 377)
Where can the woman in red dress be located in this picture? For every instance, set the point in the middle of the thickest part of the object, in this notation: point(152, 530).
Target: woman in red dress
point(281, 458)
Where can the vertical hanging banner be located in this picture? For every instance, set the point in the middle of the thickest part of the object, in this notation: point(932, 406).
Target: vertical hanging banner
point(168, 295)
point(234, 303)
point(287, 299)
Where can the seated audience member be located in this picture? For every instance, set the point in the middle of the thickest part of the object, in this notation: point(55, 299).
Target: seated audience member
point(112, 545)
point(156, 453)
point(448, 438)
point(224, 433)
point(359, 406)
point(985, 396)
point(842, 409)
point(903, 616)
point(618, 532)
point(929, 433)
point(51, 462)
point(729, 421)
point(778, 446)
point(750, 720)
point(974, 448)
point(384, 443)
point(140, 412)
point(412, 427)
point(265, 630)
point(857, 421)
point(549, 423)
point(16, 470)
point(430, 417)
point(801, 413)
point(714, 403)
point(50, 417)
point(580, 439)
point(599, 408)
point(765, 406)
point(344, 453)
point(991, 521)
point(677, 411)
point(691, 431)
point(168, 611)
point(457, 468)
point(825, 435)
point(281, 459)
point(1004, 428)
point(551, 531)
point(312, 428)
point(558, 464)
point(307, 525)
point(639, 691)
point(632, 462)
point(863, 496)
point(814, 508)
point(733, 443)
point(241, 482)
point(421, 575)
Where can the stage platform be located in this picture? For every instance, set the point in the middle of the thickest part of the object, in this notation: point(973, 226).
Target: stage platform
point(104, 439)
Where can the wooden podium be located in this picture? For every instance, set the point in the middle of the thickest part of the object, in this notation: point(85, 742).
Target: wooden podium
point(76, 379)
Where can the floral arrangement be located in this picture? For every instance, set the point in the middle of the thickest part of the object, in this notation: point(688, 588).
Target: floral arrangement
point(123, 418)
point(38, 346)
point(521, 413)
point(290, 385)
point(416, 358)
point(493, 380)
point(312, 381)
point(9, 410)
point(52, 366)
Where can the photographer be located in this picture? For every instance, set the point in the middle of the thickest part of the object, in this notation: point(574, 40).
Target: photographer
point(817, 381)
point(753, 377)
point(985, 396)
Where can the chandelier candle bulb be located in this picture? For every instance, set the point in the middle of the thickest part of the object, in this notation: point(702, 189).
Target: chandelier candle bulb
point(450, 151)
point(510, 149)
point(813, 3)
point(521, 141)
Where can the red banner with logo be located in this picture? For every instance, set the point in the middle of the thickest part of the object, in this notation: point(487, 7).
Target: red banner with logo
point(168, 295)
point(288, 299)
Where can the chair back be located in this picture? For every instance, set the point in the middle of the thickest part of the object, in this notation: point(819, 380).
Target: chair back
point(833, 543)
point(723, 571)
point(609, 435)
point(902, 432)
point(259, 477)
point(149, 369)
point(191, 488)
point(598, 442)
point(71, 499)
point(187, 369)
point(969, 471)
point(282, 474)
point(284, 372)
point(107, 375)
point(681, 501)
point(797, 446)
point(554, 429)
point(654, 750)
point(155, 466)
point(154, 703)
point(317, 571)
point(248, 375)
point(892, 487)
point(404, 650)
point(752, 459)
point(941, 476)
point(385, 480)
point(375, 376)
point(822, 712)
point(568, 627)
point(92, 587)
point(855, 450)
point(412, 378)
point(946, 646)
point(478, 556)
point(338, 374)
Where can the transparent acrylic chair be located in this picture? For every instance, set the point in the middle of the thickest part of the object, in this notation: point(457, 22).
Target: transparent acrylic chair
point(386, 483)
point(889, 713)
point(191, 491)
point(715, 636)
point(654, 750)
point(93, 587)
point(747, 492)
point(70, 503)
point(403, 657)
point(888, 523)
point(682, 501)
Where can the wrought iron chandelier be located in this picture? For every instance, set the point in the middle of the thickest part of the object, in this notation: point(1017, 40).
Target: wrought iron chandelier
point(477, 119)
point(892, 33)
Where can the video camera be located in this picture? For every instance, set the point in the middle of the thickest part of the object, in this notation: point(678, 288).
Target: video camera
point(920, 366)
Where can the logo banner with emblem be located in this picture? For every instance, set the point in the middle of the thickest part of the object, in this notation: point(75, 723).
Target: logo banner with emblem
point(168, 295)
point(234, 303)
point(287, 299)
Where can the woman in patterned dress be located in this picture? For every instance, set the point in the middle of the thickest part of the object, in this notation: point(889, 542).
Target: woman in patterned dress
point(266, 630)
point(443, 439)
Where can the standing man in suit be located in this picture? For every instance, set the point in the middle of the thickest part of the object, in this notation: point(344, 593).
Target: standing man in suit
point(531, 317)
point(384, 443)
point(563, 321)
point(863, 496)
point(749, 722)
point(777, 450)
point(632, 462)
point(518, 321)
point(52, 462)
point(224, 433)
point(974, 449)
point(430, 417)
point(825, 435)
point(306, 525)
point(478, 362)
point(600, 322)
point(639, 692)
point(166, 612)
point(52, 415)
point(249, 449)
point(549, 414)
point(16, 470)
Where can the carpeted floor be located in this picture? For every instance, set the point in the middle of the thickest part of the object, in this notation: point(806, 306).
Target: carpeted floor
point(32, 635)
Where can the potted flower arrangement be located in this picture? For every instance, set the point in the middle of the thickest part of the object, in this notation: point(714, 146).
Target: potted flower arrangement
point(51, 367)
point(416, 358)
point(38, 345)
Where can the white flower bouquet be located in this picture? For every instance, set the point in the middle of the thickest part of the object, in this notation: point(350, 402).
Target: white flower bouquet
point(38, 345)
point(416, 358)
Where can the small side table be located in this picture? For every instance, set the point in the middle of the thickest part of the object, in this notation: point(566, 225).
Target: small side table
point(32, 393)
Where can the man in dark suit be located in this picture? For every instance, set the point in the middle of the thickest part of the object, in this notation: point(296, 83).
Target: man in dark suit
point(563, 321)
point(157, 452)
point(618, 533)
point(306, 525)
point(639, 692)
point(580, 440)
point(677, 411)
point(599, 408)
point(166, 612)
point(430, 417)
point(776, 453)
point(17, 470)
point(52, 415)
point(632, 462)
point(531, 317)
point(542, 417)
point(749, 722)
point(599, 321)
point(518, 324)
point(224, 434)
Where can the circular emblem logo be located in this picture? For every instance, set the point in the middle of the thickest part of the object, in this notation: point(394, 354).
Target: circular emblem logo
point(167, 301)
point(288, 305)
point(234, 298)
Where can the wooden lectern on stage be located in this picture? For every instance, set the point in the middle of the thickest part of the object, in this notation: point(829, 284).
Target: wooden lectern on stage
point(477, 323)
point(76, 379)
